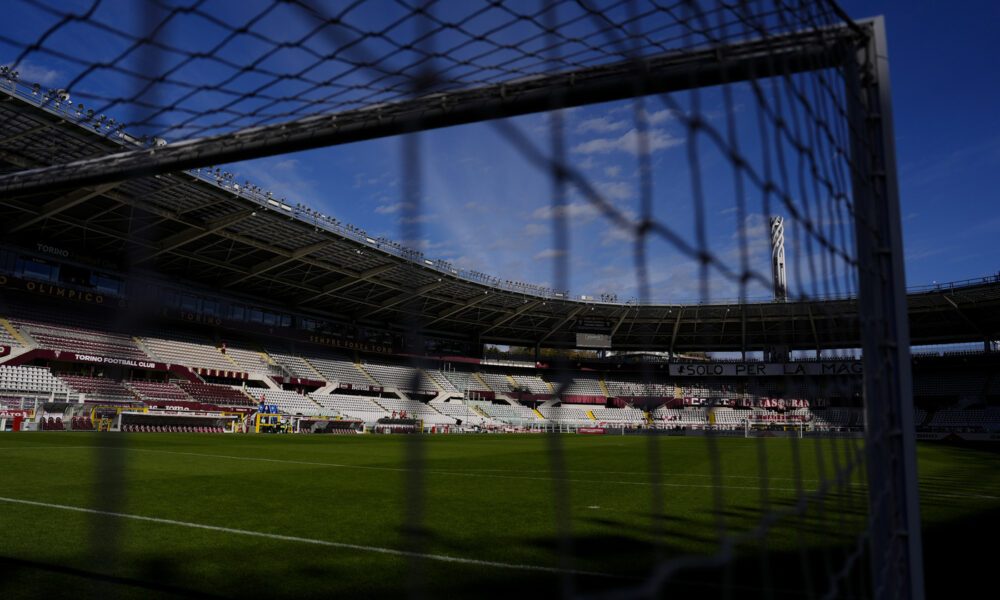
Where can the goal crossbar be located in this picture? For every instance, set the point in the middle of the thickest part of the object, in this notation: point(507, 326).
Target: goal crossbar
point(769, 56)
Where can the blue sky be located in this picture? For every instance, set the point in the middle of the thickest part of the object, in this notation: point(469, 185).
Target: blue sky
point(485, 206)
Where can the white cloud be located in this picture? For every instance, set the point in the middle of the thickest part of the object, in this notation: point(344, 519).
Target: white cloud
point(612, 171)
point(574, 211)
point(756, 227)
point(386, 209)
point(660, 116)
point(619, 190)
point(657, 139)
point(33, 73)
point(286, 165)
point(601, 125)
point(616, 236)
point(550, 253)
point(476, 206)
point(534, 229)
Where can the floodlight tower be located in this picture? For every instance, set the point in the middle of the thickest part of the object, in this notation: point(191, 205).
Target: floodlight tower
point(778, 259)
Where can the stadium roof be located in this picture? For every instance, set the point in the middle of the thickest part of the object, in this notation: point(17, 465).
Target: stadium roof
point(204, 227)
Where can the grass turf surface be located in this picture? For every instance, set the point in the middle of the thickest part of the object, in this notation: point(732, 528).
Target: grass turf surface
point(335, 511)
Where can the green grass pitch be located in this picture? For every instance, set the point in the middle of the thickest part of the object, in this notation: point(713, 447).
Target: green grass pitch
point(182, 515)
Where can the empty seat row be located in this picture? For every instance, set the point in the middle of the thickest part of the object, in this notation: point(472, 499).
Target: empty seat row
point(358, 407)
point(189, 351)
point(31, 379)
point(157, 390)
point(401, 377)
point(211, 393)
point(338, 369)
point(287, 401)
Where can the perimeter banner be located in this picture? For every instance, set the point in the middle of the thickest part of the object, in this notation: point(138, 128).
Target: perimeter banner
point(351, 345)
point(710, 369)
point(4, 350)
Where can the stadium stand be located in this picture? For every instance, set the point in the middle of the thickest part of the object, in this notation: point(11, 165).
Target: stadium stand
point(400, 377)
point(499, 382)
point(294, 365)
point(246, 358)
point(288, 401)
point(209, 393)
point(533, 384)
point(567, 414)
point(77, 339)
point(415, 409)
point(938, 382)
point(634, 387)
point(6, 339)
point(459, 410)
point(464, 381)
point(153, 390)
point(836, 417)
point(680, 416)
point(438, 377)
point(514, 414)
point(730, 416)
point(581, 385)
point(948, 385)
point(183, 349)
point(627, 415)
point(32, 380)
point(357, 407)
point(336, 368)
point(986, 419)
point(99, 389)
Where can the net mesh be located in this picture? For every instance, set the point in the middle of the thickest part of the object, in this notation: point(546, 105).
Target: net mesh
point(763, 100)
point(262, 62)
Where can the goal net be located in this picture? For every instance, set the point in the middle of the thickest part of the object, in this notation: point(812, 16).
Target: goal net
point(713, 198)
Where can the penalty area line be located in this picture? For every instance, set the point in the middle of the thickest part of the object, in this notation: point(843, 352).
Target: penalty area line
point(313, 541)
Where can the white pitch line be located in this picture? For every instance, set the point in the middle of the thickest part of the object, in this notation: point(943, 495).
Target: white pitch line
point(45, 447)
point(317, 542)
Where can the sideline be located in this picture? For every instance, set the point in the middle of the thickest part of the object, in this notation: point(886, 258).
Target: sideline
point(317, 542)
